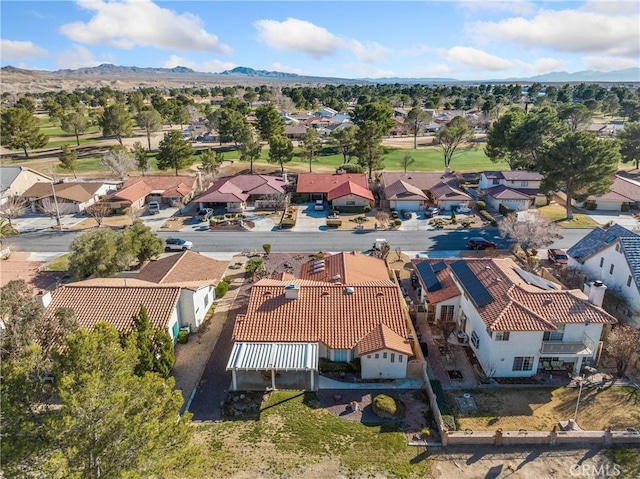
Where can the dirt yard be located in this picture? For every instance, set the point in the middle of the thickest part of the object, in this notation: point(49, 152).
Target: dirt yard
point(542, 408)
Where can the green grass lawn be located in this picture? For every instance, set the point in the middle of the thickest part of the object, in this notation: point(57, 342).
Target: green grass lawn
point(558, 214)
point(293, 432)
point(628, 460)
point(61, 263)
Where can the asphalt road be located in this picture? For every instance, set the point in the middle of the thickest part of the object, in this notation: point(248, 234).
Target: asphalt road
point(303, 242)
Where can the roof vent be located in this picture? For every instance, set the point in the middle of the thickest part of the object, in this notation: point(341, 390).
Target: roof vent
point(598, 283)
point(379, 294)
point(336, 277)
point(548, 300)
point(292, 291)
point(349, 290)
point(325, 294)
point(267, 294)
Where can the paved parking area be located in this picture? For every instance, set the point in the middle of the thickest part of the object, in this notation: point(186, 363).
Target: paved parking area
point(309, 219)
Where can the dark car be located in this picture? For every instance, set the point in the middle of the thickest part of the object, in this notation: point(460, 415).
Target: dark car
point(480, 243)
point(204, 214)
point(432, 211)
point(558, 256)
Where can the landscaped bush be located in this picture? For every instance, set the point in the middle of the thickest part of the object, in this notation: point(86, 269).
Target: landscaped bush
point(318, 255)
point(394, 214)
point(466, 223)
point(591, 206)
point(487, 217)
point(351, 168)
point(388, 406)
point(267, 248)
point(298, 198)
point(333, 223)
point(397, 222)
point(505, 210)
point(368, 208)
point(349, 209)
point(481, 205)
point(183, 337)
point(221, 289)
point(327, 366)
point(624, 207)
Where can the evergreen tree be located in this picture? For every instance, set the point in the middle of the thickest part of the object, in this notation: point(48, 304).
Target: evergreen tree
point(174, 152)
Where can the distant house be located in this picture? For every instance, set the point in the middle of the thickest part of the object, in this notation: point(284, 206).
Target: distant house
point(357, 313)
point(606, 130)
point(294, 132)
point(516, 323)
point(612, 255)
point(237, 192)
point(71, 196)
point(216, 100)
point(319, 186)
point(415, 191)
point(197, 276)
point(139, 190)
point(325, 112)
point(511, 187)
point(15, 180)
point(624, 193)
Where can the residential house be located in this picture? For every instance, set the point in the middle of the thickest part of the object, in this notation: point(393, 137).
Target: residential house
point(139, 190)
point(510, 188)
point(612, 255)
point(326, 112)
point(516, 323)
point(116, 300)
point(236, 193)
point(350, 194)
point(294, 132)
point(15, 180)
point(291, 324)
point(606, 130)
point(71, 196)
point(319, 186)
point(415, 191)
point(623, 195)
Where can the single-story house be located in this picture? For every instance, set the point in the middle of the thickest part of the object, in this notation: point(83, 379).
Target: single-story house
point(623, 191)
point(516, 323)
point(15, 180)
point(403, 191)
point(319, 185)
point(197, 275)
point(294, 132)
point(71, 196)
point(139, 190)
point(404, 196)
point(350, 194)
point(236, 192)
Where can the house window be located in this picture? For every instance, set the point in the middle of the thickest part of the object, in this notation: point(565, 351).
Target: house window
point(611, 269)
point(377, 356)
point(446, 313)
point(206, 300)
point(475, 340)
point(393, 357)
point(351, 203)
point(601, 261)
point(496, 182)
point(502, 336)
point(618, 247)
point(522, 363)
point(368, 356)
point(399, 358)
point(384, 355)
point(556, 335)
point(524, 183)
point(629, 281)
point(340, 355)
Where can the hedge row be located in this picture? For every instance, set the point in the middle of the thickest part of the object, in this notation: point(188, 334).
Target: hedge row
point(487, 216)
point(334, 223)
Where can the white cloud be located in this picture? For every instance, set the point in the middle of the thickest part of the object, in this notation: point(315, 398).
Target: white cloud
point(567, 30)
point(432, 71)
point(476, 58)
point(78, 57)
point(547, 65)
point(132, 23)
point(520, 7)
point(279, 67)
point(363, 70)
point(607, 64)
point(15, 50)
point(630, 7)
point(301, 36)
point(209, 66)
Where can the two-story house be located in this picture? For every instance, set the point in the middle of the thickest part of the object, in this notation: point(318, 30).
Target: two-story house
point(612, 255)
point(516, 323)
point(516, 189)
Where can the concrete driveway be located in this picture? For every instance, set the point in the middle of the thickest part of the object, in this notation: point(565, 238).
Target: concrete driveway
point(156, 221)
point(603, 217)
point(310, 219)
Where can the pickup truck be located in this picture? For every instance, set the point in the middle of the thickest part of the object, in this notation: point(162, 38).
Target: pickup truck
point(204, 214)
point(154, 208)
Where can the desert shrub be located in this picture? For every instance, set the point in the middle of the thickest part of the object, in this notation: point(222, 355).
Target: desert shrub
point(318, 255)
point(183, 337)
point(465, 223)
point(625, 207)
point(367, 208)
point(221, 289)
point(397, 222)
point(394, 214)
point(481, 205)
point(388, 406)
point(333, 223)
point(267, 248)
point(327, 366)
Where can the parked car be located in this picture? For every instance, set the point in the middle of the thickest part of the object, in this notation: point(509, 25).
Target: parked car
point(204, 214)
point(480, 243)
point(319, 206)
point(154, 208)
point(431, 212)
point(464, 209)
point(177, 244)
point(558, 256)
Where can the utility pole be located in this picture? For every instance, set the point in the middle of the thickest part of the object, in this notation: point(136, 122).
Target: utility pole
point(55, 200)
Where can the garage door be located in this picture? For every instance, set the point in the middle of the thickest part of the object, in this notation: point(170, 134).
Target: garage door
point(407, 205)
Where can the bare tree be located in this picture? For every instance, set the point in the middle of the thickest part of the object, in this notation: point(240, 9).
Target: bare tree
point(54, 209)
point(383, 218)
point(12, 208)
point(382, 252)
point(277, 201)
point(445, 328)
point(98, 211)
point(118, 161)
point(531, 233)
point(623, 343)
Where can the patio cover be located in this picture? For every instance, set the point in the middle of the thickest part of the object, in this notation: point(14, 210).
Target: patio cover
point(274, 356)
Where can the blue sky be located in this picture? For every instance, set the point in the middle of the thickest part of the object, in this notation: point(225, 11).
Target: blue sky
point(472, 39)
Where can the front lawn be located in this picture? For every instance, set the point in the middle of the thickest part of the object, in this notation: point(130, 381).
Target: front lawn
point(539, 409)
point(294, 437)
point(558, 214)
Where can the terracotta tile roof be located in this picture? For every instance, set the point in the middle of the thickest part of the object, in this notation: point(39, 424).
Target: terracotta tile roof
point(422, 181)
point(502, 192)
point(131, 193)
point(284, 276)
point(188, 269)
point(238, 188)
point(401, 190)
point(77, 192)
point(116, 300)
point(323, 313)
point(323, 183)
point(352, 268)
point(350, 188)
point(381, 337)
point(179, 191)
point(622, 189)
point(449, 289)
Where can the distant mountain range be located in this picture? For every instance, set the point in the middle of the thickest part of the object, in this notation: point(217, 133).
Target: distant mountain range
point(20, 79)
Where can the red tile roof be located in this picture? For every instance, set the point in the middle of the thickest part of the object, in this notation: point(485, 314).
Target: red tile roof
point(323, 313)
point(137, 187)
point(238, 188)
point(350, 188)
point(187, 269)
point(382, 337)
point(116, 300)
point(324, 183)
point(346, 268)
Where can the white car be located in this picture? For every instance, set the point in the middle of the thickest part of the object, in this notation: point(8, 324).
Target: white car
point(177, 244)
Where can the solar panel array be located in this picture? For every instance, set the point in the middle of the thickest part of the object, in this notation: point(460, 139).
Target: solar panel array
point(428, 276)
point(470, 282)
point(439, 266)
point(536, 280)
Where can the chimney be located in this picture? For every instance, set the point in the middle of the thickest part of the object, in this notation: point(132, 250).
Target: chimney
point(44, 297)
point(595, 292)
point(292, 291)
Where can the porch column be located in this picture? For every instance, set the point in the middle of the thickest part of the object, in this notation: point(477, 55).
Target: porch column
point(578, 365)
point(273, 379)
point(311, 375)
point(234, 382)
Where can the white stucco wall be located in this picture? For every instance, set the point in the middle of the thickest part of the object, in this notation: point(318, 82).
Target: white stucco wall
point(375, 365)
point(344, 200)
point(192, 305)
